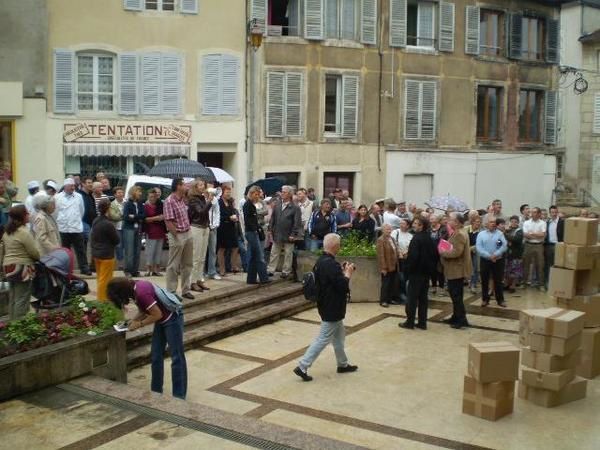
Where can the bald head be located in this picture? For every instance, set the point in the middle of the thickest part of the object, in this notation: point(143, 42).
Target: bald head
point(331, 243)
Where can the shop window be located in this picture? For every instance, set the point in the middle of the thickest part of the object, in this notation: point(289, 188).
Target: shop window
point(489, 107)
point(335, 180)
point(6, 150)
point(95, 82)
point(530, 114)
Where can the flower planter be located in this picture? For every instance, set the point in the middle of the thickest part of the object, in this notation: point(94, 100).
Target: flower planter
point(103, 355)
point(365, 283)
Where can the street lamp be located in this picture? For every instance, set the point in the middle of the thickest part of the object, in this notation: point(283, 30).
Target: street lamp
point(256, 34)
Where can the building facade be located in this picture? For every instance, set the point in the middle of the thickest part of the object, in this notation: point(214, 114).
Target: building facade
point(409, 98)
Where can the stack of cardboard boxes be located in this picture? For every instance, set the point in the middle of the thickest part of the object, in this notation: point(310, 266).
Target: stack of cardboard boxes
point(490, 384)
point(553, 350)
point(575, 284)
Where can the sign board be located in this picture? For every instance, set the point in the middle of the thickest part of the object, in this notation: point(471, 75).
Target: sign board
point(133, 132)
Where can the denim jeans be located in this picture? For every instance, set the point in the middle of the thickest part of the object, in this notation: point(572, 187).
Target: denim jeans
point(132, 244)
point(333, 332)
point(212, 253)
point(256, 259)
point(314, 244)
point(475, 274)
point(169, 333)
point(119, 248)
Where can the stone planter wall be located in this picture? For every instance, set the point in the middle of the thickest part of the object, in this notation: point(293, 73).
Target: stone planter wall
point(104, 356)
point(365, 283)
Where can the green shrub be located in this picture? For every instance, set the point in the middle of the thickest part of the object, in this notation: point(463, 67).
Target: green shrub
point(353, 244)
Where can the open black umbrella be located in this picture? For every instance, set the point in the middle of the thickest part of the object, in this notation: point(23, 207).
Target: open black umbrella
point(182, 168)
point(269, 186)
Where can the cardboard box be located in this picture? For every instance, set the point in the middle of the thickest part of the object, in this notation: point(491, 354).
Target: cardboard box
point(587, 282)
point(589, 304)
point(559, 254)
point(575, 390)
point(581, 231)
point(493, 361)
point(555, 345)
point(579, 257)
point(590, 360)
point(524, 329)
point(559, 322)
point(490, 401)
point(552, 381)
point(567, 283)
point(547, 362)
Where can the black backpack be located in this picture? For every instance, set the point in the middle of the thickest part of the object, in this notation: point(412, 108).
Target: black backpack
point(309, 285)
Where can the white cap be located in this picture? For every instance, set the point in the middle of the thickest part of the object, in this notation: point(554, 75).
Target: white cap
point(33, 184)
point(68, 181)
point(52, 184)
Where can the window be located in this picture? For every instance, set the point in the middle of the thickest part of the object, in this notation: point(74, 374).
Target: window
point(489, 107)
point(420, 24)
point(6, 150)
point(220, 85)
point(335, 180)
point(160, 5)
point(530, 111)
point(420, 110)
point(341, 105)
point(284, 104)
point(95, 82)
point(532, 38)
point(284, 18)
point(185, 6)
point(340, 19)
point(491, 37)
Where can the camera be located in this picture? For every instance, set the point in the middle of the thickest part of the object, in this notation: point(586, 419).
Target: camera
point(212, 191)
point(346, 265)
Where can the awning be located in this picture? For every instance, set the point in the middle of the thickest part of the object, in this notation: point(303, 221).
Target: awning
point(125, 149)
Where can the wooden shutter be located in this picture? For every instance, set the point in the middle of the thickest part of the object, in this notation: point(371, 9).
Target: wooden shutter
point(188, 6)
point(472, 30)
point(133, 5)
point(293, 104)
point(128, 83)
point(171, 83)
point(64, 97)
point(552, 41)
point(349, 106)
point(550, 112)
point(515, 35)
point(313, 19)
point(368, 22)
point(211, 82)
point(150, 74)
point(412, 109)
point(275, 100)
point(428, 109)
point(258, 13)
point(446, 27)
point(230, 85)
point(398, 23)
point(596, 126)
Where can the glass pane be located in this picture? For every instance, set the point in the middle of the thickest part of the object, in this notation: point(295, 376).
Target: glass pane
point(105, 102)
point(331, 19)
point(493, 113)
point(331, 85)
point(105, 65)
point(481, 95)
point(522, 117)
point(412, 13)
point(85, 64)
point(105, 83)
point(525, 39)
point(6, 150)
point(85, 83)
point(425, 26)
point(293, 18)
point(483, 29)
point(168, 5)
point(493, 41)
point(348, 19)
point(533, 38)
point(85, 102)
point(534, 129)
point(151, 4)
point(114, 167)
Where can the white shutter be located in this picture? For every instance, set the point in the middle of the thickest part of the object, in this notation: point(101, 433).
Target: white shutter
point(349, 106)
point(230, 85)
point(398, 23)
point(596, 127)
point(332, 29)
point(368, 22)
point(188, 6)
point(275, 98)
point(550, 111)
point(128, 83)
point(313, 19)
point(446, 27)
point(472, 30)
point(425, 19)
point(133, 5)
point(258, 13)
point(412, 109)
point(428, 109)
point(552, 41)
point(64, 97)
point(348, 19)
point(293, 104)
point(211, 82)
point(171, 83)
point(150, 74)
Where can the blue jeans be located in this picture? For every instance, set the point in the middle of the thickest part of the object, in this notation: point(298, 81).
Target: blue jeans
point(333, 332)
point(171, 333)
point(211, 260)
point(256, 259)
point(119, 248)
point(314, 244)
point(132, 246)
point(475, 273)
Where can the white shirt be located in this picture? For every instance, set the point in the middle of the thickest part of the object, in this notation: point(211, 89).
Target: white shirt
point(552, 231)
point(30, 210)
point(534, 226)
point(306, 210)
point(69, 212)
point(214, 215)
point(402, 240)
point(391, 219)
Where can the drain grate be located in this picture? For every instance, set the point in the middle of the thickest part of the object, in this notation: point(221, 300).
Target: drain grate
point(213, 430)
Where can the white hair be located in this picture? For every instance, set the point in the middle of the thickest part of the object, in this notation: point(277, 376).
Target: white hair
point(41, 201)
point(331, 240)
point(289, 189)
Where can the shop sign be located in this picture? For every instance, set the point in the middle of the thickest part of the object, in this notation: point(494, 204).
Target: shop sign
point(133, 132)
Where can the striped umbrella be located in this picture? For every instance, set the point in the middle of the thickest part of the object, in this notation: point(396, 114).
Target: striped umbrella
point(182, 168)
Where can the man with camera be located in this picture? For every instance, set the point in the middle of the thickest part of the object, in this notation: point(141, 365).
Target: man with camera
point(333, 290)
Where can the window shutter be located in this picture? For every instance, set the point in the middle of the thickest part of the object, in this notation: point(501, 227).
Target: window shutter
point(596, 127)
point(446, 27)
point(552, 41)
point(133, 5)
point(425, 25)
point(472, 31)
point(258, 13)
point(349, 106)
point(275, 90)
point(64, 97)
point(551, 108)
point(293, 104)
point(128, 83)
point(398, 23)
point(150, 74)
point(171, 83)
point(348, 8)
point(188, 6)
point(230, 83)
point(368, 22)
point(428, 109)
point(211, 77)
point(412, 109)
point(515, 36)
point(313, 19)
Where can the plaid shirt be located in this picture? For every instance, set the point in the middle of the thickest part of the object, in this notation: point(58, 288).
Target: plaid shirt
point(176, 210)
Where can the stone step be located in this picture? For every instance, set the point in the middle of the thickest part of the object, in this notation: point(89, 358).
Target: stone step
point(215, 330)
point(225, 307)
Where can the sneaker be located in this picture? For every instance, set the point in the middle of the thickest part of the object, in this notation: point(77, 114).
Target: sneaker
point(384, 305)
point(216, 277)
point(347, 369)
point(188, 295)
point(302, 374)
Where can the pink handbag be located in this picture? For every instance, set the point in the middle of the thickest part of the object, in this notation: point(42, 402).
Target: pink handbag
point(444, 246)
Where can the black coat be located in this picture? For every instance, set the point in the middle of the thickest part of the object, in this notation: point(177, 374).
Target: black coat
point(560, 230)
point(333, 289)
point(104, 238)
point(422, 255)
